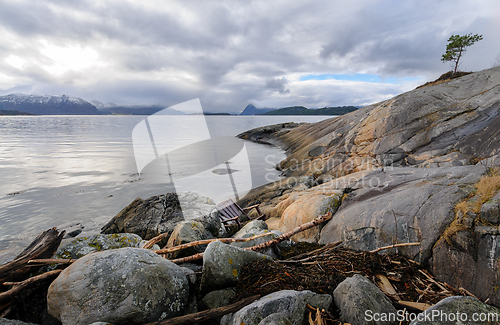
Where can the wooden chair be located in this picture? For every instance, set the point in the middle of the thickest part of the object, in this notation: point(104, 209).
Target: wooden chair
point(230, 212)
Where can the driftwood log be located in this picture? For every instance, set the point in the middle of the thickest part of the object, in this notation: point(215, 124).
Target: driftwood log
point(206, 241)
point(44, 246)
point(269, 243)
point(17, 287)
point(295, 231)
point(207, 314)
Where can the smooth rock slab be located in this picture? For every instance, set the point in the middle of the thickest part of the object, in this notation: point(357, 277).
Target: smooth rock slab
point(122, 286)
point(356, 296)
point(289, 304)
point(401, 205)
point(459, 310)
point(222, 265)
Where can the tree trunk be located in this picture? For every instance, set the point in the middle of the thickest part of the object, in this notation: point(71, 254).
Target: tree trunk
point(44, 246)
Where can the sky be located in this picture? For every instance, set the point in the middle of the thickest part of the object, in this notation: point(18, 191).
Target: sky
point(233, 53)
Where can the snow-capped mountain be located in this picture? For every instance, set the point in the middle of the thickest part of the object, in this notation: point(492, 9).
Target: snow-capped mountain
point(47, 105)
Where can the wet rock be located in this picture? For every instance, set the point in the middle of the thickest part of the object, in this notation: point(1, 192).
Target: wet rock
point(356, 295)
point(288, 304)
point(81, 246)
point(222, 265)
point(458, 310)
point(187, 232)
point(159, 214)
point(127, 285)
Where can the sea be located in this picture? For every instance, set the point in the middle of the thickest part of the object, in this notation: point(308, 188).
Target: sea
point(58, 171)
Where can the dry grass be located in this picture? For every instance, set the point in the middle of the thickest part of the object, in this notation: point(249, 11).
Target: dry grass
point(485, 189)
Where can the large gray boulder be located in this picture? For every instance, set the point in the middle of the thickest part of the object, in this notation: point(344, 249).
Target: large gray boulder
point(75, 248)
point(222, 265)
point(458, 310)
point(400, 205)
point(359, 300)
point(288, 304)
point(121, 286)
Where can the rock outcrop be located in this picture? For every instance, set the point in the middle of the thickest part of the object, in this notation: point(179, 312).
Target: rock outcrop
point(122, 286)
point(160, 214)
point(461, 115)
point(394, 172)
point(400, 205)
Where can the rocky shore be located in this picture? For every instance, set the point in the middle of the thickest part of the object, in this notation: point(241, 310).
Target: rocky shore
point(422, 168)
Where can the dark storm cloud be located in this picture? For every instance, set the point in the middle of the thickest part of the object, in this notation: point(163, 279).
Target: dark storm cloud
point(278, 84)
point(158, 52)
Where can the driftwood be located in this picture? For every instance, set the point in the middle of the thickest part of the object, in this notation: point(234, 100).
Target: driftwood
point(394, 246)
point(45, 261)
point(155, 240)
point(269, 243)
point(44, 246)
point(206, 241)
point(207, 314)
point(295, 231)
point(19, 286)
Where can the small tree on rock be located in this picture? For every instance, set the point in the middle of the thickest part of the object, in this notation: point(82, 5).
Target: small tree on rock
point(457, 45)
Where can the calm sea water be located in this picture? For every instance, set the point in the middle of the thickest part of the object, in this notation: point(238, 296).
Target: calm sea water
point(59, 170)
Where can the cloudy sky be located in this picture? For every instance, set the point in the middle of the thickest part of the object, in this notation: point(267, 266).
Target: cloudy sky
point(232, 53)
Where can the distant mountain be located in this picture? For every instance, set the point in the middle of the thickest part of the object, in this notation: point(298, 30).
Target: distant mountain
point(47, 105)
point(138, 110)
point(252, 110)
point(6, 112)
point(301, 110)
